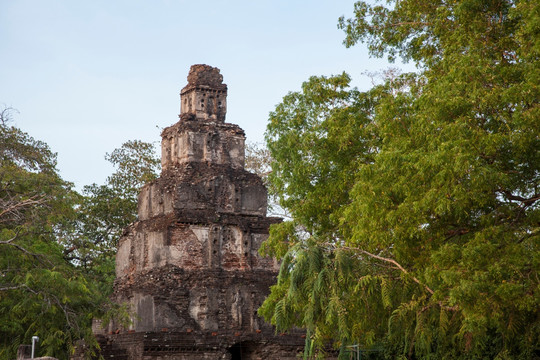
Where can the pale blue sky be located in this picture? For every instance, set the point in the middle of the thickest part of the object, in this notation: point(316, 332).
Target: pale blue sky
point(87, 76)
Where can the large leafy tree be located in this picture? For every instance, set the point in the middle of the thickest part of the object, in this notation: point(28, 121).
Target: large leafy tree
point(104, 211)
point(57, 247)
point(40, 292)
point(416, 204)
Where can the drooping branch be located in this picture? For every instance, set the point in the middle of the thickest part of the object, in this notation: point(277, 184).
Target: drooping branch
point(390, 261)
point(394, 262)
point(402, 269)
point(12, 239)
point(10, 242)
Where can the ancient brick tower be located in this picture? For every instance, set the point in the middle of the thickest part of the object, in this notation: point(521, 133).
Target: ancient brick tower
point(189, 267)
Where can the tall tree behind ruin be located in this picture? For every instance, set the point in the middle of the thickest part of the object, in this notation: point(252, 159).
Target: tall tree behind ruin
point(418, 201)
point(105, 210)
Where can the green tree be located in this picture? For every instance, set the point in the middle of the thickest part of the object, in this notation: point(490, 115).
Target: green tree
point(136, 164)
point(40, 293)
point(58, 247)
point(423, 239)
point(104, 211)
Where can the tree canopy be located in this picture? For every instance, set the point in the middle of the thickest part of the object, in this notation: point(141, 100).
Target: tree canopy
point(415, 205)
point(40, 293)
point(105, 210)
point(57, 247)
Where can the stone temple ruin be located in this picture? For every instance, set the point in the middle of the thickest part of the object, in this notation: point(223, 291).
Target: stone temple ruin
point(189, 267)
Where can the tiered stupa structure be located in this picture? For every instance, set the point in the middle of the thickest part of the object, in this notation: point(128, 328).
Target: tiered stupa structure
point(189, 267)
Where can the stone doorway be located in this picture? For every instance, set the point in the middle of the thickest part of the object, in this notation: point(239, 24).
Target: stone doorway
point(242, 351)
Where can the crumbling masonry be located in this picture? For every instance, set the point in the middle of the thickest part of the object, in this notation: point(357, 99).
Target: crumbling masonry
point(189, 267)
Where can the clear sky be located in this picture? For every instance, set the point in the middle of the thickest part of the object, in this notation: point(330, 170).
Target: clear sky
point(88, 75)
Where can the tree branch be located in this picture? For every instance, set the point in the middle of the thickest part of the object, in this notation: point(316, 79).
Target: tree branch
point(402, 269)
point(21, 286)
point(391, 261)
point(9, 242)
point(5, 288)
point(526, 201)
point(12, 239)
point(34, 200)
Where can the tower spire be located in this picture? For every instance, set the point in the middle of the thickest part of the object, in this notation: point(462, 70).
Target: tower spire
point(205, 95)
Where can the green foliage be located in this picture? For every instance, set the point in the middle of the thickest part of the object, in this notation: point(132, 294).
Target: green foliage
point(311, 140)
point(57, 247)
point(415, 206)
point(40, 293)
point(104, 211)
point(136, 164)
